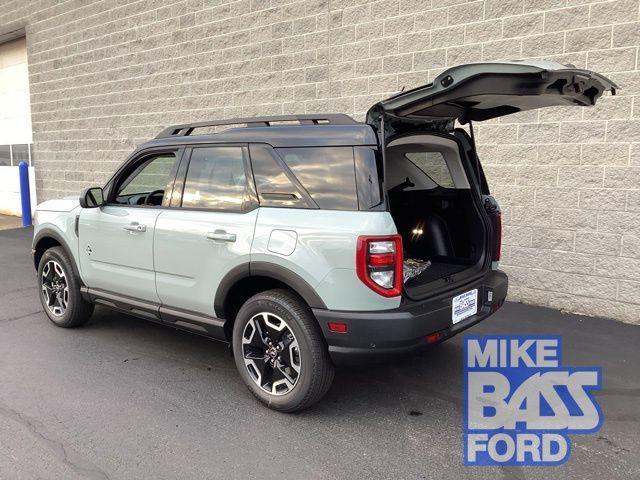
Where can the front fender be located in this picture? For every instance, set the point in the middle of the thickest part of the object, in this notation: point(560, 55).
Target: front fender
point(60, 227)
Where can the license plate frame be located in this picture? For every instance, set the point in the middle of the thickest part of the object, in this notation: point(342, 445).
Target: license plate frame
point(464, 306)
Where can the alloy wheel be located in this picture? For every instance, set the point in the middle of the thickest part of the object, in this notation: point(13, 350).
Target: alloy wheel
point(55, 288)
point(271, 353)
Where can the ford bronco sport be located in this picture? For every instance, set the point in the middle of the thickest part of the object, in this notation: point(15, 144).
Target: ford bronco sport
point(304, 241)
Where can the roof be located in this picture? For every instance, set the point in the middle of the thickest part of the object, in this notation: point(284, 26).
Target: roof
point(319, 130)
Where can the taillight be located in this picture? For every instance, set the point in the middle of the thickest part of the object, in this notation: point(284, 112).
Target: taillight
point(496, 220)
point(379, 263)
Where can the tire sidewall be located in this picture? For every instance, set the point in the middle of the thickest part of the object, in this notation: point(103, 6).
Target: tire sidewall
point(58, 255)
point(275, 306)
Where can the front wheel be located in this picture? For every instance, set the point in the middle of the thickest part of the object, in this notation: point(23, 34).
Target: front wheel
point(60, 290)
point(280, 352)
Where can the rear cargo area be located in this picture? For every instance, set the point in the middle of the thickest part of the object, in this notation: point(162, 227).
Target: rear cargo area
point(432, 204)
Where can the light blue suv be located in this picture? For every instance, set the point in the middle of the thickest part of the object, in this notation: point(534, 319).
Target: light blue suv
point(304, 241)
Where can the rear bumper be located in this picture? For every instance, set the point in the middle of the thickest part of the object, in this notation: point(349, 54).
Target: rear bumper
point(377, 334)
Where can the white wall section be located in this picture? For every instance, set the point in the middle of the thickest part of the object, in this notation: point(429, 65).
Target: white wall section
point(15, 125)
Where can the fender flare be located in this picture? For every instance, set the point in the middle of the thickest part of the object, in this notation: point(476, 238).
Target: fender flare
point(48, 232)
point(270, 270)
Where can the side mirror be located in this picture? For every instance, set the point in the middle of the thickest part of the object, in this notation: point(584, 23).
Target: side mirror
point(91, 197)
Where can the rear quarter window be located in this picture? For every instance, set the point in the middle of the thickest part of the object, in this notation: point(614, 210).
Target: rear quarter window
point(276, 187)
point(327, 173)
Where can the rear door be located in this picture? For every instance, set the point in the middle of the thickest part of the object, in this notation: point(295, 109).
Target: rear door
point(481, 91)
point(207, 231)
point(116, 240)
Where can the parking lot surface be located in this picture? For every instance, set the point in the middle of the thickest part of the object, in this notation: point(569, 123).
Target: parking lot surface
point(122, 398)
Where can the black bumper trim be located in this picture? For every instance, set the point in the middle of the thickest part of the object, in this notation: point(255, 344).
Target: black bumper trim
point(377, 334)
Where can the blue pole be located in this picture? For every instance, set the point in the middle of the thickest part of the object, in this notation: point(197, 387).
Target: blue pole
point(25, 194)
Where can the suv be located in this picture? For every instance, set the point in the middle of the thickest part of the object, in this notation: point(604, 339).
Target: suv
point(304, 241)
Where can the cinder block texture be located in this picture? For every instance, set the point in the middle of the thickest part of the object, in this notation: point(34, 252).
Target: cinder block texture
point(106, 76)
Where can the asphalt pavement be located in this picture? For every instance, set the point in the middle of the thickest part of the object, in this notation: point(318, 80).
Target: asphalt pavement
point(122, 398)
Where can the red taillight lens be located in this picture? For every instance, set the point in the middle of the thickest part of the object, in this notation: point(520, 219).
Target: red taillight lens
point(496, 218)
point(379, 263)
point(382, 259)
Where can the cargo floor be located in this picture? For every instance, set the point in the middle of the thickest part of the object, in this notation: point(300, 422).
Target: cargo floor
point(436, 271)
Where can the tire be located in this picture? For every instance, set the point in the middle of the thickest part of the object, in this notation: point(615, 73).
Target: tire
point(305, 358)
point(56, 265)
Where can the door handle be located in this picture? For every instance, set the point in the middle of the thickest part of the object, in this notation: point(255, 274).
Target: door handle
point(135, 227)
point(222, 236)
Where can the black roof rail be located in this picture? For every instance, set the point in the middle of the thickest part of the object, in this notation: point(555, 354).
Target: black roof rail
point(315, 119)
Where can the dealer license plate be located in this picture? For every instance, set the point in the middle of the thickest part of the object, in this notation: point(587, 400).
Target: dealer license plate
point(464, 305)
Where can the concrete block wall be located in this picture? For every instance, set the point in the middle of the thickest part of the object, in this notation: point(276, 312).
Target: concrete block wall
point(107, 75)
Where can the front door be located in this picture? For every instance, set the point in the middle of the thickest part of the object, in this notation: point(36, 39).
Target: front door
point(116, 240)
point(211, 230)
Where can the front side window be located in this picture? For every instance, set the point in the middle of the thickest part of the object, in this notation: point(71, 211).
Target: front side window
point(327, 173)
point(216, 179)
point(149, 183)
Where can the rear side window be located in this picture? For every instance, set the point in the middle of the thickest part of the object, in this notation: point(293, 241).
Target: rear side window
point(215, 179)
point(434, 166)
point(327, 173)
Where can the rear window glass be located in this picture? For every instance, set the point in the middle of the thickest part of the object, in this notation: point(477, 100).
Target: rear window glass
point(327, 173)
point(434, 166)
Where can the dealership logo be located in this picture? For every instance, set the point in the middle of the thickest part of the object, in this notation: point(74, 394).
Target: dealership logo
point(521, 403)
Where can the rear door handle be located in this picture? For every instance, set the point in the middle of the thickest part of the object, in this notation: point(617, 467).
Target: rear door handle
point(135, 227)
point(221, 236)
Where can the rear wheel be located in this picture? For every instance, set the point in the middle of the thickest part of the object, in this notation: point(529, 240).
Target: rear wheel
point(280, 352)
point(60, 290)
